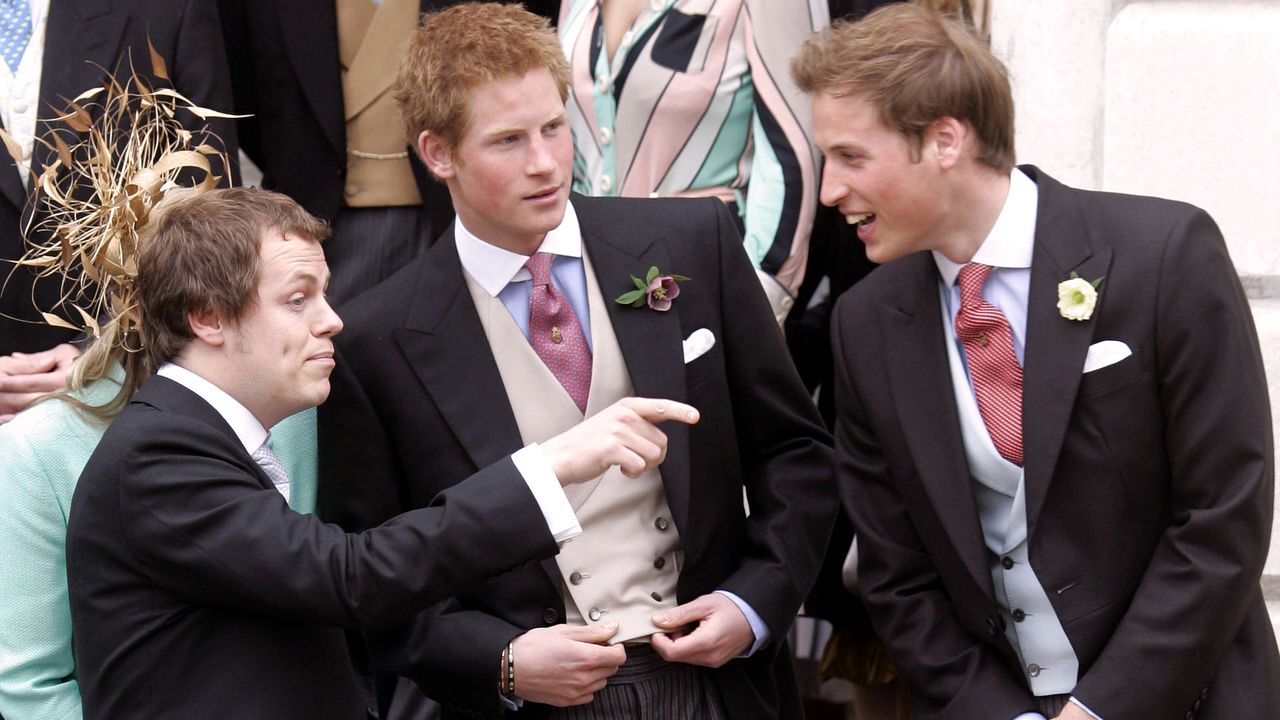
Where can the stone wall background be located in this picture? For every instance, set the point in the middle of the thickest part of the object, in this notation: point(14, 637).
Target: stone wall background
point(1174, 98)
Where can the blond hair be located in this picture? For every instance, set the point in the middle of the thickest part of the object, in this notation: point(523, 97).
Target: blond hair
point(915, 66)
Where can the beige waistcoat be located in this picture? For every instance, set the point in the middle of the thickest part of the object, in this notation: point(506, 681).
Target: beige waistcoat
point(624, 566)
point(370, 40)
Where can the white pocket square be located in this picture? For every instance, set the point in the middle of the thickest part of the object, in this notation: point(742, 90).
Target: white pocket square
point(697, 344)
point(1107, 352)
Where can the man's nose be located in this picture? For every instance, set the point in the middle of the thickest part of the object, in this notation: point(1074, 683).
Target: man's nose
point(329, 323)
point(832, 190)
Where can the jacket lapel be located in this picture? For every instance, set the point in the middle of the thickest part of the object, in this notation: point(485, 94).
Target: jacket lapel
point(169, 396)
point(1056, 347)
point(82, 38)
point(920, 381)
point(367, 77)
point(315, 63)
point(444, 342)
point(651, 341)
point(11, 183)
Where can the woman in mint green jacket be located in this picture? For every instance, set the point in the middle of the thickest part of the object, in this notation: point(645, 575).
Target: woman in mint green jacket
point(42, 451)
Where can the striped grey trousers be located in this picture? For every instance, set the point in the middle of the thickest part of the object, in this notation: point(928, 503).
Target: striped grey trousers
point(647, 687)
point(1051, 705)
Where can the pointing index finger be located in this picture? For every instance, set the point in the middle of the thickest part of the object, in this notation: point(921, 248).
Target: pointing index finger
point(658, 410)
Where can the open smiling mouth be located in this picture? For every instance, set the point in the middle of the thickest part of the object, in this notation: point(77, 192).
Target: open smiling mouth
point(860, 218)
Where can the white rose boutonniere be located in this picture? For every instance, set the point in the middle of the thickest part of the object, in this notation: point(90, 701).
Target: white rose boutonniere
point(1077, 297)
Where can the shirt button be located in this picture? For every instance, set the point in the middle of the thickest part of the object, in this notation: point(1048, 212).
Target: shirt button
point(1006, 562)
point(627, 37)
point(657, 596)
point(1019, 615)
point(1033, 670)
point(20, 107)
point(550, 616)
point(662, 524)
point(606, 184)
point(575, 578)
point(595, 614)
point(602, 85)
point(606, 136)
point(659, 563)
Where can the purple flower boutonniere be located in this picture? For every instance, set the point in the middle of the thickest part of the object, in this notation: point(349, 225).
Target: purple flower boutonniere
point(656, 290)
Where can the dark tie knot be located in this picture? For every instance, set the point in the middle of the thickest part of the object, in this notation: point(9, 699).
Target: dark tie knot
point(539, 266)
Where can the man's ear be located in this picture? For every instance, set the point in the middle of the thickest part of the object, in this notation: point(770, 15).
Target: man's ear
point(436, 155)
point(947, 141)
point(208, 327)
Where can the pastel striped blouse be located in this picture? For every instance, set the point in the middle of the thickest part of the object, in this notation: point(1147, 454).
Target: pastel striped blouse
point(698, 100)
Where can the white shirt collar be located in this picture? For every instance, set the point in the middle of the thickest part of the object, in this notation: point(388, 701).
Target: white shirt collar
point(245, 425)
point(494, 268)
point(1011, 240)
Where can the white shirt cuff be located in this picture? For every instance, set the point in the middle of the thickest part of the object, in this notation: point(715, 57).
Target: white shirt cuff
point(758, 628)
point(1085, 708)
point(536, 470)
point(1030, 716)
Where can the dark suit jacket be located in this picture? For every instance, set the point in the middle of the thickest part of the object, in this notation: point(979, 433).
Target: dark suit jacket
point(421, 404)
point(1148, 482)
point(285, 73)
point(197, 593)
point(82, 37)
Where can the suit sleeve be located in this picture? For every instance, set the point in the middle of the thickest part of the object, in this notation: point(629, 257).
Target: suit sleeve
point(199, 71)
point(1192, 599)
point(783, 446)
point(201, 525)
point(953, 675)
point(37, 667)
point(237, 42)
point(448, 650)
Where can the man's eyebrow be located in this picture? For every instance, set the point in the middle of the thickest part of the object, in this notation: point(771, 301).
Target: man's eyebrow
point(303, 274)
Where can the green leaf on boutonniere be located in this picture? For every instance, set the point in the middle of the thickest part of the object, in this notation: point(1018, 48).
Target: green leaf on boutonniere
point(656, 290)
point(635, 298)
point(1095, 283)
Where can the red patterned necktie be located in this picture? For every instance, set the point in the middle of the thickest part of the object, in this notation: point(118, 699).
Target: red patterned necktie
point(555, 333)
point(993, 366)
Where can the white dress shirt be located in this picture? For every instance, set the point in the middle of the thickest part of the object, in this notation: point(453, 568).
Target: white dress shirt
point(20, 91)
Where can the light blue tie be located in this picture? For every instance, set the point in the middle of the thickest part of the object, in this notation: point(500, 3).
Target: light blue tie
point(15, 30)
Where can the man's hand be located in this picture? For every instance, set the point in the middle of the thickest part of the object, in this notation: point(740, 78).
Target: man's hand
point(709, 631)
point(1072, 711)
point(25, 377)
point(623, 434)
point(565, 665)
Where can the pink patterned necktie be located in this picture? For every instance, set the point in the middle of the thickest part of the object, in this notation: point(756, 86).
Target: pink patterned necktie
point(993, 366)
point(555, 333)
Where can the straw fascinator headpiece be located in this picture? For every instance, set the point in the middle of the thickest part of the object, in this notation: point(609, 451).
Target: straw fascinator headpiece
point(98, 196)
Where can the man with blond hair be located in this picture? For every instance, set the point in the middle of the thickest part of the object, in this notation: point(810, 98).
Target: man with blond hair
point(535, 310)
point(1053, 438)
point(195, 591)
